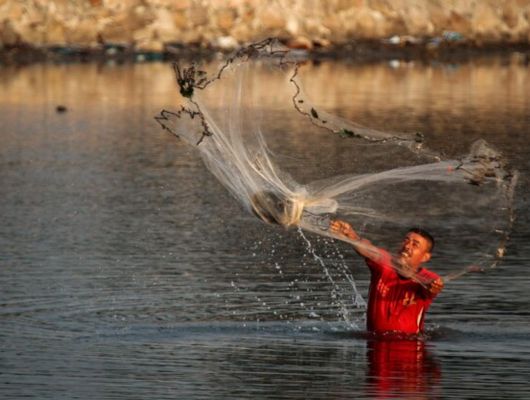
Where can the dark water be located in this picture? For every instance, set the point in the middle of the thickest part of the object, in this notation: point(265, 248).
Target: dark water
point(127, 271)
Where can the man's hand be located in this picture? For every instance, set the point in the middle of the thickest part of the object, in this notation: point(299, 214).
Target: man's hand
point(436, 286)
point(343, 228)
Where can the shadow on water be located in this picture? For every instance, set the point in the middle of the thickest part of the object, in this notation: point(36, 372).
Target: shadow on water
point(128, 271)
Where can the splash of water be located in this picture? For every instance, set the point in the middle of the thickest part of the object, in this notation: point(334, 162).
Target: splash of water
point(335, 295)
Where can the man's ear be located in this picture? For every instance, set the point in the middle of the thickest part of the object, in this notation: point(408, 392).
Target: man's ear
point(426, 257)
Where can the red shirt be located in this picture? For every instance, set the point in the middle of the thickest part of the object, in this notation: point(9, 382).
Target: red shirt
point(395, 303)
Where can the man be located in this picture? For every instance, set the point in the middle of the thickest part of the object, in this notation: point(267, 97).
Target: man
point(397, 301)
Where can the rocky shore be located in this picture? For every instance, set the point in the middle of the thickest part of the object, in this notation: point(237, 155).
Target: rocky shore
point(154, 29)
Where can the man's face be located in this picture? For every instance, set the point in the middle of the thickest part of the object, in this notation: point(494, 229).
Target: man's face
point(414, 250)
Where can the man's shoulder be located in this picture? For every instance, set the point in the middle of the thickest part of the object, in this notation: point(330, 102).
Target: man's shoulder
point(384, 261)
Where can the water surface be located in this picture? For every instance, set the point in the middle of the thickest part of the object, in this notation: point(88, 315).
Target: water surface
point(127, 271)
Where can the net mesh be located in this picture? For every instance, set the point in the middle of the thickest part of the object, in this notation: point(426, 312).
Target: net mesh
point(467, 199)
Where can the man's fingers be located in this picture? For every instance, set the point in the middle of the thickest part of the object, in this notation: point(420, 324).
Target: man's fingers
point(335, 226)
point(338, 225)
point(342, 228)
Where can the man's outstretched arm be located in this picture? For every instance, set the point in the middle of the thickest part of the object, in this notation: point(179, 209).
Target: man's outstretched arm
point(363, 247)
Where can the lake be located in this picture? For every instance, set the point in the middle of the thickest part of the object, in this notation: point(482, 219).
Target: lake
point(128, 271)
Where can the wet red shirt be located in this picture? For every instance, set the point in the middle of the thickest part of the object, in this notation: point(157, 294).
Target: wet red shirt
point(395, 303)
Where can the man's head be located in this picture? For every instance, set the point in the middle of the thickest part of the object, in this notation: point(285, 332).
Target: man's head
point(416, 248)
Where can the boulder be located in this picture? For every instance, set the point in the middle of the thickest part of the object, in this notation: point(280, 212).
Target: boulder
point(164, 26)
point(8, 34)
point(120, 26)
point(417, 22)
point(142, 37)
point(486, 23)
point(180, 19)
point(55, 32)
point(225, 43)
point(369, 24)
point(181, 5)
point(241, 33)
point(80, 33)
point(459, 23)
point(439, 17)
point(315, 29)
point(198, 15)
point(30, 33)
point(225, 19)
point(271, 19)
point(336, 6)
point(293, 25)
point(150, 46)
point(300, 43)
point(510, 15)
point(191, 36)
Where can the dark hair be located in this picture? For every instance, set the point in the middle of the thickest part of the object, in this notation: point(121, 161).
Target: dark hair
point(424, 234)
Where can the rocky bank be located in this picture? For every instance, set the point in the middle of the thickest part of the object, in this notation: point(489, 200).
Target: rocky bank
point(159, 25)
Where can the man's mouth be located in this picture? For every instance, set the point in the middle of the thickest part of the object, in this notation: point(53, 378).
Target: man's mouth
point(404, 254)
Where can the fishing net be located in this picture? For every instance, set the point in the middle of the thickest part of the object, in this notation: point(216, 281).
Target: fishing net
point(398, 181)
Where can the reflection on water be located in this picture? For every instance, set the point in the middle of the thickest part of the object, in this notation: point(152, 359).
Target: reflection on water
point(127, 271)
point(402, 368)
